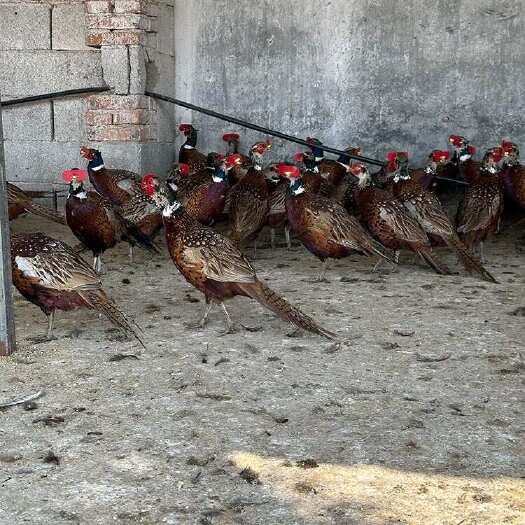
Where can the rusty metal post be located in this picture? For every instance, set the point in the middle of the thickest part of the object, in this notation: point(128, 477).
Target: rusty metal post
point(7, 322)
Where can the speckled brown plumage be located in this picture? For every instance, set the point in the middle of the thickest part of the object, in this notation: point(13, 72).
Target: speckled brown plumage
point(19, 202)
point(248, 206)
point(48, 273)
point(389, 222)
point(213, 265)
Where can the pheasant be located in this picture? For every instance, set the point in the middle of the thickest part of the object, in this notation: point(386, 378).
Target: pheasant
point(20, 202)
point(49, 274)
point(465, 166)
point(424, 206)
point(513, 173)
point(122, 188)
point(249, 199)
point(204, 199)
point(188, 153)
point(214, 265)
point(389, 222)
point(94, 221)
point(323, 226)
point(239, 170)
point(480, 212)
point(331, 170)
point(277, 217)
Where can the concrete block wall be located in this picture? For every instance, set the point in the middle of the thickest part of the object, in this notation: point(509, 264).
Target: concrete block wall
point(53, 45)
point(137, 53)
point(43, 49)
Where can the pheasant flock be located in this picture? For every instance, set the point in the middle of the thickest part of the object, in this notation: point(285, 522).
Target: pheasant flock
point(333, 207)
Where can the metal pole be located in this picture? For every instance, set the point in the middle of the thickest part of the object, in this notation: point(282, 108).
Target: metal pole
point(7, 322)
point(267, 131)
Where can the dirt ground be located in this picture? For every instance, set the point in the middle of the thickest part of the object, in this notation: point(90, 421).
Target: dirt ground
point(417, 420)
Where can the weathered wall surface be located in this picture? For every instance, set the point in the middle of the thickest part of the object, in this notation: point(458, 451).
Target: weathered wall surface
point(42, 49)
point(54, 45)
point(374, 73)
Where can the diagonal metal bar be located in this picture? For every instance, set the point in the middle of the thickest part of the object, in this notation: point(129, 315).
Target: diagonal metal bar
point(58, 94)
point(7, 324)
point(255, 127)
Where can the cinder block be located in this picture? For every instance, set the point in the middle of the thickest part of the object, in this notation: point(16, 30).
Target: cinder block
point(69, 120)
point(157, 157)
point(115, 66)
point(35, 162)
point(165, 121)
point(98, 6)
point(24, 73)
point(166, 24)
point(160, 73)
point(69, 26)
point(24, 27)
point(30, 122)
point(137, 70)
point(131, 6)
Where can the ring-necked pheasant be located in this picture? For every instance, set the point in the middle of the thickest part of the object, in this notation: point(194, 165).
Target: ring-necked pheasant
point(389, 222)
point(249, 199)
point(465, 166)
point(323, 226)
point(49, 274)
point(94, 220)
point(122, 188)
point(424, 206)
point(20, 202)
point(513, 173)
point(204, 200)
point(188, 153)
point(332, 170)
point(214, 265)
point(479, 213)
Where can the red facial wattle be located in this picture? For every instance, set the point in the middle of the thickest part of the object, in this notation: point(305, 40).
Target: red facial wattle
point(184, 169)
point(288, 170)
point(148, 184)
point(74, 174)
point(231, 137)
point(233, 160)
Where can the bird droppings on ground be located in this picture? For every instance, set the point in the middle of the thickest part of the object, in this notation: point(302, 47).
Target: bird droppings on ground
point(426, 428)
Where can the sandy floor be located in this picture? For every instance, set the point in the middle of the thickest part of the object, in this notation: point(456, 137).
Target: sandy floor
point(417, 420)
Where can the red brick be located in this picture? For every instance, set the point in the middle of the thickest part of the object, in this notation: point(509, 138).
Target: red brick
point(98, 118)
point(132, 116)
point(119, 134)
point(119, 102)
point(131, 6)
point(97, 38)
point(98, 6)
point(118, 21)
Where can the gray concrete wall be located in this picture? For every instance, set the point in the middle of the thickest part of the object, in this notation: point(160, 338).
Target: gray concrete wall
point(42, 49)
point(377, 73)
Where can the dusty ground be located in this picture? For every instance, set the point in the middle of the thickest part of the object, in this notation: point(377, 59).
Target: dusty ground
point(418, 420)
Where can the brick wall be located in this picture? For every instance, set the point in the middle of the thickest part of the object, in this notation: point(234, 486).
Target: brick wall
point(51, 45)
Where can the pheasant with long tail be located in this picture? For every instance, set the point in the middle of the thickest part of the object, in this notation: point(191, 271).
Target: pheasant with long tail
point(214, 265)
point(49, 274)
point(19, 202)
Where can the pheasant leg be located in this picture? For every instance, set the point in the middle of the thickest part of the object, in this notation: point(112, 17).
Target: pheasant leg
point(230, 327)
point(204, 318)
point(287, 235)
point(131, 253)
point(50, 322)
point(272, 238)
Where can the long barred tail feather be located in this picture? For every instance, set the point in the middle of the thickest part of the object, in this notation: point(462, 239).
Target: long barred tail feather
point(47, 213)
point(98, 300)
point(282, 308)
point(469, 260)
point(433, 262)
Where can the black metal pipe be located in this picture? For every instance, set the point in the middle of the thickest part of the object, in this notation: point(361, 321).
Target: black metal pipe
point(255, 127)
point(58, 94)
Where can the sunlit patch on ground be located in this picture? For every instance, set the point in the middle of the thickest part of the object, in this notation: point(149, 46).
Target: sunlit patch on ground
point(378, 494)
